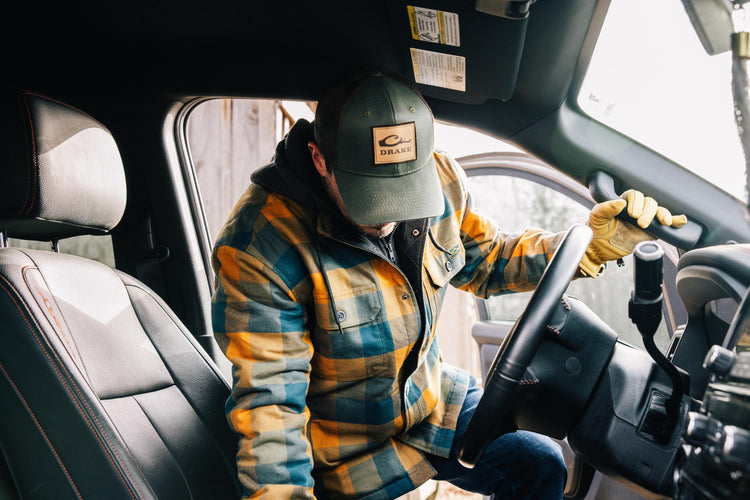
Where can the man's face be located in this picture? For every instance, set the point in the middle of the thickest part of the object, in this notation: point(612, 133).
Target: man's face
point(329, 183)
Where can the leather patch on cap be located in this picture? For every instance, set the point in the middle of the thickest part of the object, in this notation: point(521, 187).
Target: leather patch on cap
point(395, 144)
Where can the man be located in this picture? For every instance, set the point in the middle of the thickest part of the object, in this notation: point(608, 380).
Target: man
point(330, 276)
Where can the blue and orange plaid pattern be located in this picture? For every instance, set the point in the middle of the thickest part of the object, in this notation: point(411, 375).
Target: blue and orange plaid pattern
point(340, 413)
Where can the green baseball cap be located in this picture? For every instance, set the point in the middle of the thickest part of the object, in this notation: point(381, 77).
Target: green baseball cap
point(376, 133)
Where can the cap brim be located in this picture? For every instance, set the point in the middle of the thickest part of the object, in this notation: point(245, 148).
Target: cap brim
point(379, 200)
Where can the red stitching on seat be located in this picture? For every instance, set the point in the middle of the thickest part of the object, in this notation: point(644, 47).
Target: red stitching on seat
point(41, 429)
point(62, 380)
point(553, 330)
point(565, 304)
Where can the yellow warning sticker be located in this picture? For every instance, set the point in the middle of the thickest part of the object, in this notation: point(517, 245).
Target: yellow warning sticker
point(434, 26)
point(438, 69)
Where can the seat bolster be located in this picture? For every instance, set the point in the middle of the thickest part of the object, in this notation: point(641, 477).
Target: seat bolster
point(50, 412)
point(195, 375)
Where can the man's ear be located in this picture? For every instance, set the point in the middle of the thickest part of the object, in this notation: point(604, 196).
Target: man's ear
point(317, 158)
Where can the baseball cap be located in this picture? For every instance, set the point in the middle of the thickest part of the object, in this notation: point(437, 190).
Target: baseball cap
point(376, 133)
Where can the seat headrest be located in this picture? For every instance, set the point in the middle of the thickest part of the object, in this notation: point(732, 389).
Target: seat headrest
point(64, 179)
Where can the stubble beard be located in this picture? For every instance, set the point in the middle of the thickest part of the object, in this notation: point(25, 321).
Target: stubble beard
point(373, 231)
point(377, 231)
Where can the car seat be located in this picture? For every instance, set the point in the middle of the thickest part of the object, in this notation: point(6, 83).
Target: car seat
point(103, 392)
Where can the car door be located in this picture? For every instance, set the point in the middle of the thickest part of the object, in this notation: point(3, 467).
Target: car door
point(519, 191)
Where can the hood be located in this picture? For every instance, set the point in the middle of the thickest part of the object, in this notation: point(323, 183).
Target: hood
point(292, 173)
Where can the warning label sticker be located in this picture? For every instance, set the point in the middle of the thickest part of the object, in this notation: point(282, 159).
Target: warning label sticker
point(435, 26)
point(439, 70)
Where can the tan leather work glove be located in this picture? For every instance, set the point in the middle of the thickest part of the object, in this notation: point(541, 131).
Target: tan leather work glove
point(613, 238)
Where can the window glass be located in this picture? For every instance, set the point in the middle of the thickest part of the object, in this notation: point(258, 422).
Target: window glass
point(228, 140)
point(517, 204)
point(231, 138)
point(650, 79)
point(98, 248)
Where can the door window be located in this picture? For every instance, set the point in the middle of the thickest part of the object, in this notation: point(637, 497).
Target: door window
point(516, 204)
point(229, 139)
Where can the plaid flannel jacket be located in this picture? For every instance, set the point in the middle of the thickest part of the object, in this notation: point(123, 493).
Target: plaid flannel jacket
point(339, 387)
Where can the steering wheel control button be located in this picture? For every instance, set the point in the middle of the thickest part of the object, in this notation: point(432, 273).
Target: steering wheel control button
point(719, 361)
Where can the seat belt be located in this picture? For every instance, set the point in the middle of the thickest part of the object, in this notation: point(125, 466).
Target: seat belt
point(149, 259)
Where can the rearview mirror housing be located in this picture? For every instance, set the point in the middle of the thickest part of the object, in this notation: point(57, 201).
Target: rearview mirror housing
point(712, 21)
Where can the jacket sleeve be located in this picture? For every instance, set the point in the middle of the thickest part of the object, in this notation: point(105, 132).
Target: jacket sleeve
point(496, 262)
point(261, 329)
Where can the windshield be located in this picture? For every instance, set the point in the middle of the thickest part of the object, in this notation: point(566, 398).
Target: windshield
point(650, 79)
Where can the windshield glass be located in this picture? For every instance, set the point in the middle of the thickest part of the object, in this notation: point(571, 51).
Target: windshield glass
point(650, 79)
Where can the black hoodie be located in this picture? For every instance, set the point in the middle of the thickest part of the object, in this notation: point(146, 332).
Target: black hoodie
point(293, 175)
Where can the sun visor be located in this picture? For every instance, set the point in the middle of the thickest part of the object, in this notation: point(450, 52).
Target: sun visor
point(457, 52)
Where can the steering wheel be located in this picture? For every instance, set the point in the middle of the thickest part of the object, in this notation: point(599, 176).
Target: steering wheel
point(520, 346)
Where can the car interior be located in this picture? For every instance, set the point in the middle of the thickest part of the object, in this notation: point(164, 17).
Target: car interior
point(112, 385)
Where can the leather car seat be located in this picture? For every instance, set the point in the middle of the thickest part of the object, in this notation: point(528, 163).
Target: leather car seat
point(103, 392)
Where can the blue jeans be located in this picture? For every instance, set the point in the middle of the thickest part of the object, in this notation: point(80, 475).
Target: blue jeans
point(519, 466)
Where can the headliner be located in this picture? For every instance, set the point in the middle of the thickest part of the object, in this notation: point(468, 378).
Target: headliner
point(182, 49)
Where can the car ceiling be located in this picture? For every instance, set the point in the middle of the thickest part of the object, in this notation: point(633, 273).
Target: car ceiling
point(293, 49)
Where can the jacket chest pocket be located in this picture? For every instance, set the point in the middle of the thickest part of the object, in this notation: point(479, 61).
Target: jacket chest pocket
point(443, 264)
point(440, 266)
point(358, 350)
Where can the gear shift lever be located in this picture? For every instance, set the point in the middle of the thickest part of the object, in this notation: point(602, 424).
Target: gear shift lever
point(645, 311)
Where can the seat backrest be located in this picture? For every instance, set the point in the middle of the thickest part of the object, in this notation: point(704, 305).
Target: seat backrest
point(104, 393)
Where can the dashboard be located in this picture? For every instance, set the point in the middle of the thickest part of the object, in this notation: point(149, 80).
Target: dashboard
point(712, 283)
point(715, 460)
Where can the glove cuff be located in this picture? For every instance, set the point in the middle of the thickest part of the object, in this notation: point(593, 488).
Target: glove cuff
point(590, 267)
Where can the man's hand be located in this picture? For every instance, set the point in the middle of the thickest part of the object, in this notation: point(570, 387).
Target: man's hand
point(613, 238)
